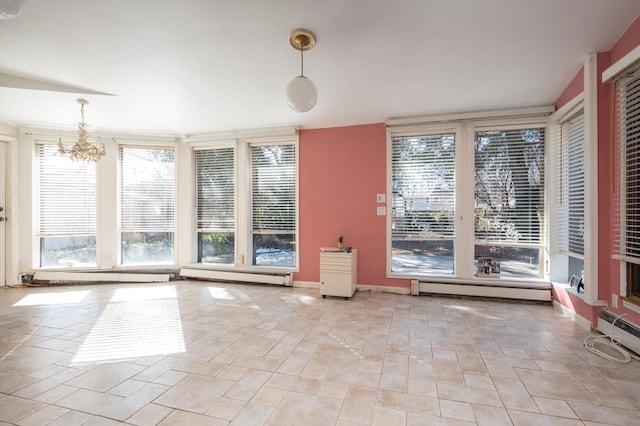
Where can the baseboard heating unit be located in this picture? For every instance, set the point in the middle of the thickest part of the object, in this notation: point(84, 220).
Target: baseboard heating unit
point(275, 278)
point(58, 277)
point(537, 292)
point(624, 332)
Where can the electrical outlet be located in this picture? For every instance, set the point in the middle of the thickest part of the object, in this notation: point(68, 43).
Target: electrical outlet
point(381, 198)
point(614, 300)
point(381, 211)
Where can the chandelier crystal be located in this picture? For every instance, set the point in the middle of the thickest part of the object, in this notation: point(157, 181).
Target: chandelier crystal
point(82, 149)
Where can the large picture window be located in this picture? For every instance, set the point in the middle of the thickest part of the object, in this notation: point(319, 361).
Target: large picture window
point(147, 205)
point(215, 205)
point(628, 131)
point(509, 195)
point(247, 204)
point(273, 206)
point(423, 203)
point(67, 210)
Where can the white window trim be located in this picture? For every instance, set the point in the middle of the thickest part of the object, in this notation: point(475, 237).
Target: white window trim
point(588, 101)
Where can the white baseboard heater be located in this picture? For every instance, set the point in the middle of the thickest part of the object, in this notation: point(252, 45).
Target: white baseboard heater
point(276, 278)
point(63, 277)
point(537, 292)
point(624, 332)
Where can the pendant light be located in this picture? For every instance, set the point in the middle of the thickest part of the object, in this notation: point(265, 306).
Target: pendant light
point(301, 92)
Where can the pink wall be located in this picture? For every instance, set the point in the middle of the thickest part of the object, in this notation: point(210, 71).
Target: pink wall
point(608, 269)
point(341, 171)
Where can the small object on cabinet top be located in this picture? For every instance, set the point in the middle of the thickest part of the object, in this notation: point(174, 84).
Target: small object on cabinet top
point(330, 249)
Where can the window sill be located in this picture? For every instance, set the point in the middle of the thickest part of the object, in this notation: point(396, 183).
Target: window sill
point(631, 305)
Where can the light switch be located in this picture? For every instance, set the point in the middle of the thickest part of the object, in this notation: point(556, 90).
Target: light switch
point(381, 198)
point(382, 211)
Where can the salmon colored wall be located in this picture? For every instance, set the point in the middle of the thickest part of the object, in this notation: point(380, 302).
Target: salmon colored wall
point(608, 269)
point(342, 169)
point(573, 89)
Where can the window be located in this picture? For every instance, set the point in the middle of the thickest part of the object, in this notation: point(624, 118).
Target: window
point(147, 205)
point(628, 130)
point(423, 203)
point(508, 201)
point(572, 194)
point(215, 205)
point(247, 203)
point(273, 206)
point(67, 201)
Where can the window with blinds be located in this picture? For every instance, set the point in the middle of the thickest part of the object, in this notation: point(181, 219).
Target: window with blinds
point(572, 191)
point(628, 139)
point(509, 199)
point(215, 205)
point(423, 203)
point(67, 210)
point(147, 205)
point(273, 204)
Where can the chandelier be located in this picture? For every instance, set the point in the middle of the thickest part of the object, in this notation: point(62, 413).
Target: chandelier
point(82, 149)
point(301, 92)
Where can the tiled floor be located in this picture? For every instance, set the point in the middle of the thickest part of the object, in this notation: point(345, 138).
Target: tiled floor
point(202, 353)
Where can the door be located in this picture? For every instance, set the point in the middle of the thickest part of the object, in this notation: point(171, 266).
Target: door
point(3, 213)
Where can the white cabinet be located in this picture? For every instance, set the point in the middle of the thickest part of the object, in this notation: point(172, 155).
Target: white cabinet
point(338, 273)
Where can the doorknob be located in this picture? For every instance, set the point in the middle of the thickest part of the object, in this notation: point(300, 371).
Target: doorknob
point(1, 209)
point(2, 219)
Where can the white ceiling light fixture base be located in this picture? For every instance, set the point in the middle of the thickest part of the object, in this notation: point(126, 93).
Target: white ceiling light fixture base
point(302, 94)
point(10, 9)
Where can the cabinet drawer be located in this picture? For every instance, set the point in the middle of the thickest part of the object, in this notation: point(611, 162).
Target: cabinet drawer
point(335, 266)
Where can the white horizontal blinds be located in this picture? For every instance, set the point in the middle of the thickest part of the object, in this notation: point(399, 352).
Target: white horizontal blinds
point(628, 130)
point(67, 194)
point(215, 189)
point(509, 186)
point(423, 186)
point(273, 189)
point(573, 135)
point(147, 189)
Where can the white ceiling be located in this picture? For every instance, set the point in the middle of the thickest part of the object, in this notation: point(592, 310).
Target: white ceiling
point(191, 67)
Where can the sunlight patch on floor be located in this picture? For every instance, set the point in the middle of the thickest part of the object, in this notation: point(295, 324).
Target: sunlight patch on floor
point(137, 322)
point(58, 298)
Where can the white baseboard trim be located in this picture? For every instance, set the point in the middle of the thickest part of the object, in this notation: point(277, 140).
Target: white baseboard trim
point(383, 289)
point(306, 284)
point(579, 319)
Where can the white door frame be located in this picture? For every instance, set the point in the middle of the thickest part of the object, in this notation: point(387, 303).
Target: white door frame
point(3, 213)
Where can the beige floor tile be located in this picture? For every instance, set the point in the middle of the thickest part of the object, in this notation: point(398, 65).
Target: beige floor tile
point(195, 393)
point(257, 355)
point(13, 409)
point(491, 416)
point(456, 410)
point(226, 408)
point(610, 415)
point(554, 385)
point(532, 419)
point(358, 405)
point(178, 417)
point(150, 414)
point(387, 417)
point(554, 407)
point(296, 408)
point(514, 394)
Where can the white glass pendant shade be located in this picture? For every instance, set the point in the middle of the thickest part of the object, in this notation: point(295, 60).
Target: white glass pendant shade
point(301, 94)
point(10, 9)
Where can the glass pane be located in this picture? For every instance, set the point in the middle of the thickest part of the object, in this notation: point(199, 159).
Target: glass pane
point(216, 248)
point(576, 267)
point(513, 261)
point(147, 248)
point(68, 251)
point(417, 257)
point(274, 250)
